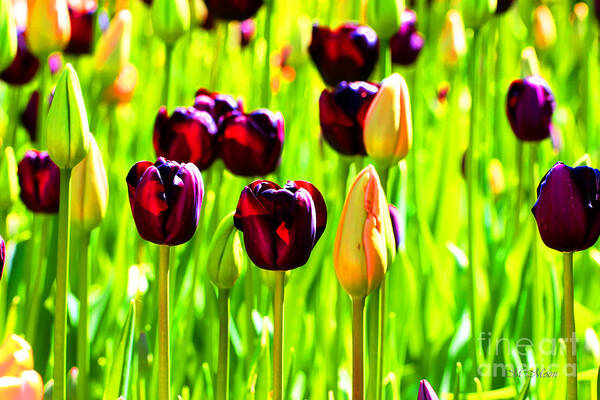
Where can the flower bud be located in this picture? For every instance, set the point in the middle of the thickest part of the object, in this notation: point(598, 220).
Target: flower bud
point(89, 189)
point(384, 16)
point(39, 179)
point(426, 392)
point(48, 26)
point(24, 65)
point(503, 6)
point(8, 35)
point(360, 252)
point(544, 28)
point(529, 106)
point(453, 42)
point(226, 254)
point(477, 12)
point(407, 43)
point(388, 124)
point(27, 385)
point(8, 179)
point(114, 46)
point(122, 89)
point(247, 31)
point(233, 10)
point(170, 19)
point(496, 176)
point(16, 356)
point(529, 62)
point(81, 13)
point(216, 104)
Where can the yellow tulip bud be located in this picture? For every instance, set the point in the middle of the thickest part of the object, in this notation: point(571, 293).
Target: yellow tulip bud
point(8, 179)
point(529, 62)
point(453, 42)
point(360, 252)
point(89, 189)
point(226, 254)
point(388, 123)
point(8, 35)
point(544, 27)
point(15, 356)
point(27, 386)
point(122, 89)
point(48, 26)
point(496, 176)
point(170, 19)
point(114, 47)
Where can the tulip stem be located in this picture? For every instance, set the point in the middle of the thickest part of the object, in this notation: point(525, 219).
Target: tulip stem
point(278, 336)
point(569, 331)
point(14, 116)
point(385, 63)
point(358, 307)
point(223, 366)
point(166, 85)
point(62, 279)
point(164, 376)
point(83, 361)
point(249, 303)
point(266, 87)
point(33, 296)
point(42, 103)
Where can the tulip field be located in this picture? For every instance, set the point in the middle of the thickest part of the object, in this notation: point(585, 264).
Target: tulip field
point(290, 200)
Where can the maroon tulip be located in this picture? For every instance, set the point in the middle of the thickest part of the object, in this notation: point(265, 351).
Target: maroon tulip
point(280, 225)
point(82, 15)
point(396, 224)
point(529, 106)
point(29, 117)
point(233, 10)
point(247, 31)
point(39, 179)
point(342, 115)
point(407, 43)
point(567, 207)
point(426, 392)
point(24, 66)
point(2, 255)
point(188, 135)
point(503, 5)
point(251, 144)
point(348, 53)
point(216, 104)
point(165, 199)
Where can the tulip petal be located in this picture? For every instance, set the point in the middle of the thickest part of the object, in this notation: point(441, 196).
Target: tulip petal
point(149, 206)
point(184, 210)
point(133, 177)
point(320, 206)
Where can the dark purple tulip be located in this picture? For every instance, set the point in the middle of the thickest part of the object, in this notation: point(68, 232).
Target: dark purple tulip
point(251, 144)
point(280, 225)
point(503, 5)
point(2, 255)
point(407, 43)
point(217, 104)
point(24, 66)
point(247, 31)
point(426, 392)
point(233, 10)
point(529, 106)
point(348, 53)
point(342, 115)
point(567, 207)
point(395, 217)
point(165, 199)
point(29, 117)
point(188, 135)
point(39, 179)
point(82, 27)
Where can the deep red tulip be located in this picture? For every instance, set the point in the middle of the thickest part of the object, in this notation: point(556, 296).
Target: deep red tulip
point(348, 53)
point(342, 115)
point(529, 106)
point(233, 10)
point(217, 104)
point(396, 226)
point(251, 144)
point(39, 179)
point(247, 31)
point(2, 255)
point(503, 5)
point(165, 199)
point(407, 43)
point(188, 135)
point(567, 210)
point(280, 225)
point(24, 66)
point(81, 13)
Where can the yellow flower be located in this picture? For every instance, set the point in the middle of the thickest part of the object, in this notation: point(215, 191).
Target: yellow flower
point(544, 27)
point(18, 380)
point(114, 47)
point(453, 42)
point(48, 26)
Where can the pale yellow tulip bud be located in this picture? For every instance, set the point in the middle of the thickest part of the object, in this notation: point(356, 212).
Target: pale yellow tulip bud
point(453, 42)
point(544, 27)
point(48, 26)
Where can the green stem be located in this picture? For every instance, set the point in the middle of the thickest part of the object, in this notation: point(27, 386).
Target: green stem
point(249, 303)
point(358, 307)
point(266, 87)
point(519, 187)
point(42, 102)
point(223, 366)
point(164, 377)
point(569, 332)
point(167, 83)
point(220, 42)
point(33, 298)
point(83, 360)
point(385, 62)
point(278, 336)
point(14, 114)
point(62, 279)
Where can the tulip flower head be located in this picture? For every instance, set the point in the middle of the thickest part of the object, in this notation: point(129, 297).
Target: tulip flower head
point(48, 26)
point(251, 144)
point(502, 6)
point(426, 392)
point(122, 89)
point(477, 12)
point(361, 244)
point(544, 27)
point(407, 43)
point(247, 31)
point(39, 179)
point(280, 225)
point(226, 254)
point(24, 65)
point(453, 42)
point(82, 13)
point(388, 123)
point(384, 16)
point(8, 35)
point(114, 47)
point(529, 106)
point(8, 179)
point(18, 379)
point(2, 255)
point(233, 10)
point(165, 199)
point(342, 115)
point(567, 210)
point(170, 19)
point(348, 53)
point(217, 104)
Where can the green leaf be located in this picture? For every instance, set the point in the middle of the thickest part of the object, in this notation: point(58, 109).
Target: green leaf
point(118, 378)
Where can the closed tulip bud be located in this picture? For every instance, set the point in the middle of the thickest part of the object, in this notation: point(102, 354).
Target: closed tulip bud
point(233, 10)
point(251, 144)
point(170, 19)
point(122, 89)
point(477, 12)
point(567, 207)
point(216, 104)
point(247, 32)
point(388, 124)
point(8, 179)
point(89, 189)
point(496, 176)
point(48, 26)
point(503, 6)
point(384, 16)
point(114, 47)
point(16, 356)
point(82, 13)
point(226, 255)
point(348, 53)
point(342, 115)
point(188, 135)
point(8, 35)
point(396, 225)
point(426, 392)
point(360, 252)
point(529, 62)
point(544, 28)
point(407, 43)
point(39, 179)
point(529, 106)
point(67, 129)
point(27, 385)
point(165, 199)
point(2, 255)
point(453, 42)
point(280, 225)
point(24, 65)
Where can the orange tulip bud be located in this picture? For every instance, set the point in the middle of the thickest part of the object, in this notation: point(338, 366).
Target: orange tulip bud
point(18, 381)
point(122, 89)
point(544, 27)
point(48, 26)
point(453, 42)
point(114, 47)
point(27, 386)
